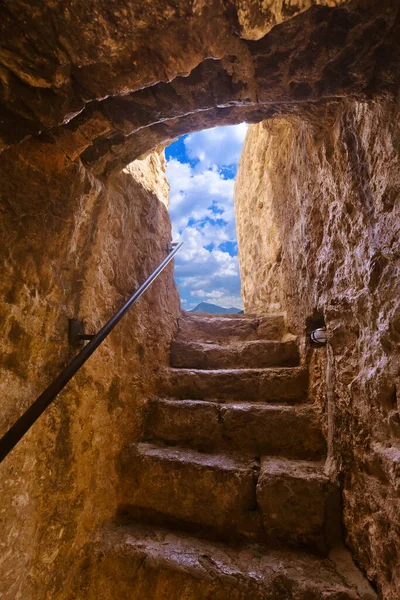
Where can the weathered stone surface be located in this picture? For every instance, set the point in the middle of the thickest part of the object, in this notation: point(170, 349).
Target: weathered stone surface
point(257, 20)
point(213, 491)
point(291, 431)
point(233, 328)
point(292, 497)
point(270, 385)
point(254, 354)
point(189, 423)
point(256, 429)
point(327, 185)
point(154, 563)
point(72, 247)
point(150, 174)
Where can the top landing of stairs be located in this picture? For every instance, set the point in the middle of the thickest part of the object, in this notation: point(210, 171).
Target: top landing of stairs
point(214, 328)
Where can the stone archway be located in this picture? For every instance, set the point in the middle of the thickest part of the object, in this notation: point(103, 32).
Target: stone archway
point(85, 90)
point(108, 85)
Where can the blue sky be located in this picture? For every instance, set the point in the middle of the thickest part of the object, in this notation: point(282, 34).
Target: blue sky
point(201, 169)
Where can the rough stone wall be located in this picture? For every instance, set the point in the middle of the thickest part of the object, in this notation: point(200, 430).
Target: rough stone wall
point(317, 205)
point(71, 246)
point(109, 82)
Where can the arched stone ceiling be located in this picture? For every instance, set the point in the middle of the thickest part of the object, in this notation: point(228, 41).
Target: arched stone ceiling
point(109, 80)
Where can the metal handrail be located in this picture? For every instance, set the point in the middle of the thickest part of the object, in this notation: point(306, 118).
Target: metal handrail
point(30, 416)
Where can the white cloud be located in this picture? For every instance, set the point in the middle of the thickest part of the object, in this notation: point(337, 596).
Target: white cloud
point(197, 195)
point(207, 274)
point(218, 146)
point(195, 260)
point(202, 214)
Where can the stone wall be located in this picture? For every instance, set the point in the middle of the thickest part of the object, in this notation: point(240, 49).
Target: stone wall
point(317, 212)
point(72, 246)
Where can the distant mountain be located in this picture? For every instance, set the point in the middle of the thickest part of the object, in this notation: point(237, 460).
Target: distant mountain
point(213, 309)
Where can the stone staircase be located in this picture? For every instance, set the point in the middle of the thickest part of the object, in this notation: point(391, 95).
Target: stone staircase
point(226, 496)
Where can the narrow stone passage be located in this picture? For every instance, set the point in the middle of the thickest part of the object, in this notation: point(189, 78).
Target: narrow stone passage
point(226, 495)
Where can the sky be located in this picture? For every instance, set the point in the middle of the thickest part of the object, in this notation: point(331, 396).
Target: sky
point(201, 170)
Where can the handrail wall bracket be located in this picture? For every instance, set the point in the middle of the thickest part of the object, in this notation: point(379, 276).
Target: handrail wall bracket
point(76, 333)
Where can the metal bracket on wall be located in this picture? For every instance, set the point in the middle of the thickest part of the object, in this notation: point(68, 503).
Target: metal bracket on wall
point(76, 335)
point(319, 337)
point(171, 246)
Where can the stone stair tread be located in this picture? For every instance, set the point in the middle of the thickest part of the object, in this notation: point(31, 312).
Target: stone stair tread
point(246, 354)
point(230, 461)
point(277, 383)
point(210, 327)
point(145, 560)
point(249, 427)
point(236, 344)
point(297, 468)
point(268, 407)
point(221, 461)
point(239, 404)
point(258, 371)
point(231, 401)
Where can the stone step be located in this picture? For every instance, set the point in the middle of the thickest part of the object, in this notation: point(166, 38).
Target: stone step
point(254, 354)
point(155, 563)
point(298, 503)
point(285, 383)
point(227, 495)
point(256, 429)
point(214, 491)
point(223, 328)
